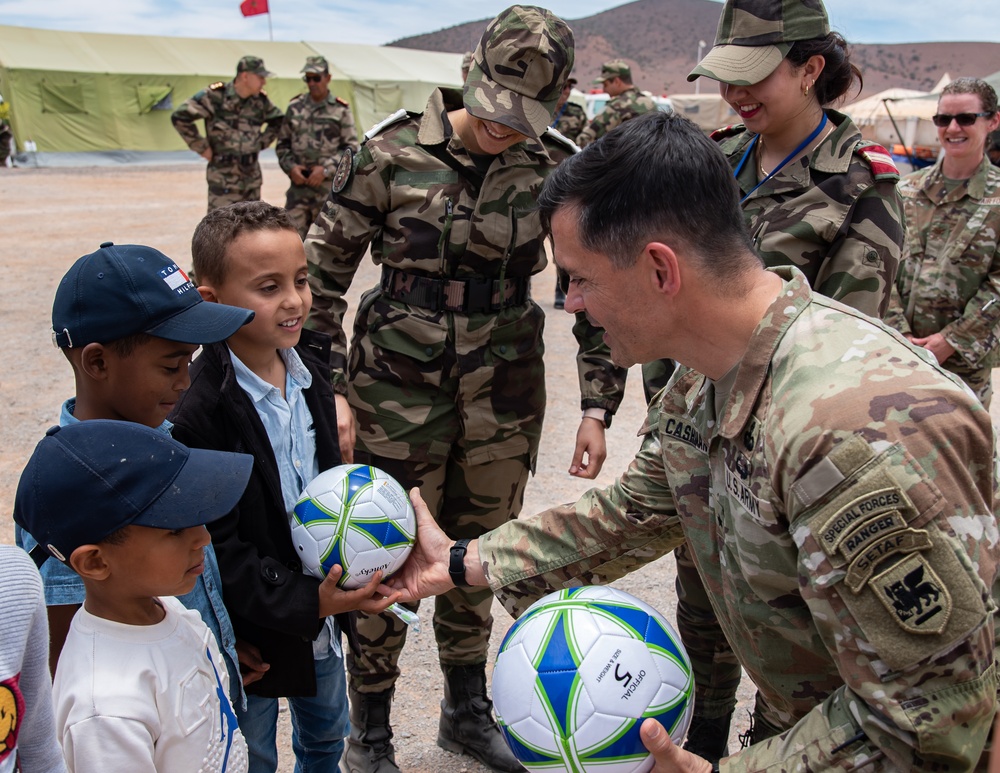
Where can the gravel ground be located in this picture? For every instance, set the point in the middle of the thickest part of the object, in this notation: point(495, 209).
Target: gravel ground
point(52, 216)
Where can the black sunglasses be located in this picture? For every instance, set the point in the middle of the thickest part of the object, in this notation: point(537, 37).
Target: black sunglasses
point(312, 78)
point(941, 120)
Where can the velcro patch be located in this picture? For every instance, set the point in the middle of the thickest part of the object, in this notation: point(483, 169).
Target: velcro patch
point(862, 509)
point(914, 594)
point(874, 528)
point(875, 552)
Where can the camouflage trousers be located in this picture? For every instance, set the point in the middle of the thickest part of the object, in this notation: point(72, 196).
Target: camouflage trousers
point(303, 205)
point(466, 501)
point(714, 665)
point(229, 183)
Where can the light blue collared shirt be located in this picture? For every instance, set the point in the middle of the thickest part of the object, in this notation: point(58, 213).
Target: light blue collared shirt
point(289, 426)
point(64, 586)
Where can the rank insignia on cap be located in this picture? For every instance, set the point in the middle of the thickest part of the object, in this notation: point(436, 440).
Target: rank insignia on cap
point(914, 595)
point(345, 170)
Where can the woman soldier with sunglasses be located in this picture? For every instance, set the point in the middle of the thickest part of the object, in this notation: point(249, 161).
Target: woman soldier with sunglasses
point(949, 279)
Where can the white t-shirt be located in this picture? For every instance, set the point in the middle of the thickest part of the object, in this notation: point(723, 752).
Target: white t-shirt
point(144, 698)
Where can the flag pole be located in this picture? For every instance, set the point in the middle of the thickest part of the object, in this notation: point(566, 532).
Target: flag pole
point(270, 31)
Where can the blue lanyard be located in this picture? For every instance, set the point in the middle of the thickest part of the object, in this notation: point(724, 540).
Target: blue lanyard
point(778, 168)
point(557, 116)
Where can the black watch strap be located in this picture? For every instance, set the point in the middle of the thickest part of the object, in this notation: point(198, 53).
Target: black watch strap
point(456, 564)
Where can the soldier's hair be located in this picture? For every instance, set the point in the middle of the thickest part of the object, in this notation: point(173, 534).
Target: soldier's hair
point(221, 227)
point(986, 93)
point(655, 178)
point(838, 72)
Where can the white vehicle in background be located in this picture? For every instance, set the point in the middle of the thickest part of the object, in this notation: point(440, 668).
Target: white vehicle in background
point(594, 103)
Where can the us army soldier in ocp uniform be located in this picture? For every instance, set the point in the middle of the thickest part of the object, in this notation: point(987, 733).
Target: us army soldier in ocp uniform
point(234, 113)
point(626, 102)
point(318, 128)
point(835, 487)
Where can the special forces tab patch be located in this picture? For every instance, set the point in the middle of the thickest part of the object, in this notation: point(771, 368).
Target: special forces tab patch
point(914, 595)
point(345, 170)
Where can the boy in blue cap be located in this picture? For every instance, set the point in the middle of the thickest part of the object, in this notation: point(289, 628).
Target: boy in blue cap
point(128, 320)
point(141, 684)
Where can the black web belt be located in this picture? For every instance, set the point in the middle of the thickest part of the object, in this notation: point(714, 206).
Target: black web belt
point(469, 296)
point(247, 158)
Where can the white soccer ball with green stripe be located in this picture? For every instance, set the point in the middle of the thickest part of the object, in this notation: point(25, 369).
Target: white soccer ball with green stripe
point(356, 516)
point(580, 671)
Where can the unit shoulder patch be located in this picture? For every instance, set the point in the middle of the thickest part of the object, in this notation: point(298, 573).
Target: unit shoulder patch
point(345, 171)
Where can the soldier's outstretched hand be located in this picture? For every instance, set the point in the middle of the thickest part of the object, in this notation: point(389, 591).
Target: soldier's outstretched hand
point(425, 572)
point(590, 451)
point(669, 757)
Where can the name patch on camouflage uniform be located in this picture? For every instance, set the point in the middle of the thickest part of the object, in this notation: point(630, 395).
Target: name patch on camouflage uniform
point(864, 508)
point(915, 596)
point(686, 433)
point(344, 171)
point(991, 201)
point(742, 493)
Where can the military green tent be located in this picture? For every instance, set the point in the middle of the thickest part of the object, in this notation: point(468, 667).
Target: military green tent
point(112, 95)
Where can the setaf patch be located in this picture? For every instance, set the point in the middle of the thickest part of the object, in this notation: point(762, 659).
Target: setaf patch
point(345, 170)
point(914, 595)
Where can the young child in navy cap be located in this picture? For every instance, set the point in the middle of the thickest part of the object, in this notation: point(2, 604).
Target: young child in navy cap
point(128, 320)
point(141, 684)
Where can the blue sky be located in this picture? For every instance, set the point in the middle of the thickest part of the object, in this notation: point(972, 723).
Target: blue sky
point(379, 21)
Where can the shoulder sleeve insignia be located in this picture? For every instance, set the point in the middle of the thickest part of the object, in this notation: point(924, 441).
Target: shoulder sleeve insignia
point(878, 158)
point(341, 101)
point(562, 139)
point(345, 170)
point(399, 115)
point(726, 131)
point(217, 85)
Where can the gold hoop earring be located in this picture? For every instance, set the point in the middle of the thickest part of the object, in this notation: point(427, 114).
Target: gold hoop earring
point(805, 93)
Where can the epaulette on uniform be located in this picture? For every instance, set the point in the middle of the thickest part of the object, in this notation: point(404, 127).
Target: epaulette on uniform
point(562, 139)
point(726, 131)
point(341, 101)
point(878, 158)
point(217, 85)
point(399, 115)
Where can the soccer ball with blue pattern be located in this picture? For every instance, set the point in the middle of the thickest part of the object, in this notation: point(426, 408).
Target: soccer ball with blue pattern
point(356, 516)
point(577, 675)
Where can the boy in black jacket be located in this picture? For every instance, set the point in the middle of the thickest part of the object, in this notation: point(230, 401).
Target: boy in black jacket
point(266, 391)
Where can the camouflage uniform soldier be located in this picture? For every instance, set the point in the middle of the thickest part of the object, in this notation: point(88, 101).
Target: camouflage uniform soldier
point(445, 375)
point(234, 113)
point(948, 287)
point(836, 487)
point(466, 64)
point(626, 102)
point(569, 119)
point(6, 135)
point(831, 210)
point(318, 127)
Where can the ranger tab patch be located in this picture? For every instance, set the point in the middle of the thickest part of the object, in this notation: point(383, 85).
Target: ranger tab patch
point(345, 170)
point(914, 595)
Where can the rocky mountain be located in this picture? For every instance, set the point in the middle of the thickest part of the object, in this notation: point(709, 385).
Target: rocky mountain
point(659, 38)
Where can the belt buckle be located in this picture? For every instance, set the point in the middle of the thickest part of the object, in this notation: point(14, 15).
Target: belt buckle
point(478, 294)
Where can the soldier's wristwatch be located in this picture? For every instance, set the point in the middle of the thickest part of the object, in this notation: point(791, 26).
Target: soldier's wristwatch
point(456, 563)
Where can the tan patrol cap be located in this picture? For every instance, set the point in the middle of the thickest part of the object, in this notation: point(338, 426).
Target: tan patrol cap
point(755, 35)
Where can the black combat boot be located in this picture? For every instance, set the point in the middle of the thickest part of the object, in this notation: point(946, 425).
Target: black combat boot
point(709, 738)
point(369, 746)
point(467, 725)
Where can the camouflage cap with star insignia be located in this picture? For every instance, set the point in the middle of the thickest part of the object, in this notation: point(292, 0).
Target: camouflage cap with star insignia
point(519, 68)
point(755, 35)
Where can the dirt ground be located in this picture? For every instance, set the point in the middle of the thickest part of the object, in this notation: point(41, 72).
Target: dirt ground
point(50, 217)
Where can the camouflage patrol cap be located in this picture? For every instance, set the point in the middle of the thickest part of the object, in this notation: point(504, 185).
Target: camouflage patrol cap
point(317, 64)
point(519, 68)
point(755, 35)
point(255, 65)
point(614, 69)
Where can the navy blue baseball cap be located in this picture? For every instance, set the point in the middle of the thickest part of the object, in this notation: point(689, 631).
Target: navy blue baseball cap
point(125, 289)
point(89, 479)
